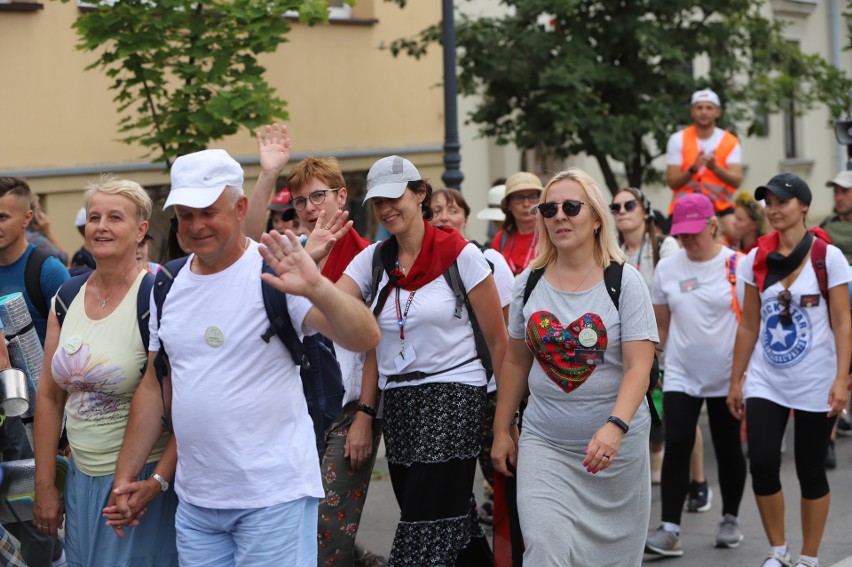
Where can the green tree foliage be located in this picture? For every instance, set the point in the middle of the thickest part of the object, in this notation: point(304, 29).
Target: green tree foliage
point(612, 78)
point(186, 72)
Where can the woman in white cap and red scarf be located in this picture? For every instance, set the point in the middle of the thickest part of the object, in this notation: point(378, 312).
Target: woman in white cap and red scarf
point(516, 240)
point(794, 338)
point(433, 382)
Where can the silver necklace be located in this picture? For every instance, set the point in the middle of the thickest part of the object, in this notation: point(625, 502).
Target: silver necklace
point(559, 276)
point(103, 302)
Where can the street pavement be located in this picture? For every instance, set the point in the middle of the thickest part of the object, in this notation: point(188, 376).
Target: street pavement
point(698, 530)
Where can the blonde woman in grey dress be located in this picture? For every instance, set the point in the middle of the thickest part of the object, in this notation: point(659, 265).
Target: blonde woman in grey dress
point(582, 460)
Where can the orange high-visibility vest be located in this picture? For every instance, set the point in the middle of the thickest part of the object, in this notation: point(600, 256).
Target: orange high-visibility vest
point(704, 180)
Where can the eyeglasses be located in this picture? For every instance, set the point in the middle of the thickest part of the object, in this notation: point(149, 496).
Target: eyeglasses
point(570, 208)
point(629, 206)
point(527, 197)
point(317, 198)
point(784, 299)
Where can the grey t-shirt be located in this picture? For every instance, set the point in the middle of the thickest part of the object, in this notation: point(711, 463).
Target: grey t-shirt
point(571, 400)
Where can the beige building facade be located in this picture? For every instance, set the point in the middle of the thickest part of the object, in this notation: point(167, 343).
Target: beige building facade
point(346, 97)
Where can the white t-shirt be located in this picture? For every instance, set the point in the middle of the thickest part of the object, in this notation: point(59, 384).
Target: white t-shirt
point(244, 436)
point(643, 259)
point(437, 339)
point(795, 367)
point(674, 148)
point(504, 279)
point(703, 324)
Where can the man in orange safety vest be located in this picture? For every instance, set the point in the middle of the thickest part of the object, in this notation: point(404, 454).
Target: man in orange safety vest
point(705, 159)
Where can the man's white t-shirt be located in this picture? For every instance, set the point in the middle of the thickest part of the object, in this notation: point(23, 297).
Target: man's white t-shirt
point(439, 340)
point(703, 324)
point(674, 148)
point(795, 366)
point(244, 436)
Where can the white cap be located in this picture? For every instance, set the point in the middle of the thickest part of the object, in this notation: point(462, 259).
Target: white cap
point(80, 219)
point(705, 95)
point(843, 179)
point(389, 177)
point(493, 212)
point(199, 179)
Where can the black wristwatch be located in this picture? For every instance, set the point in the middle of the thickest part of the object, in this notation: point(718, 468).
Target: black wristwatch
point(618, 423)
point(692, 169)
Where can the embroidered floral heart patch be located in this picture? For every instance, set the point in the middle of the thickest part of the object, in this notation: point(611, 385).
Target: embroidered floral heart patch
point(554, 346)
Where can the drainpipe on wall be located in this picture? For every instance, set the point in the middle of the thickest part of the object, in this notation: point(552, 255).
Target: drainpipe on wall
point(835, 34)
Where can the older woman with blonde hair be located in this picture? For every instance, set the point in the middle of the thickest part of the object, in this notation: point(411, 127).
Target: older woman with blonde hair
point(585, 360)
point(94, 358)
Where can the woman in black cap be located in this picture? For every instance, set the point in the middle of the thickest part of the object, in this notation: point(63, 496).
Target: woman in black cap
point(794, 339)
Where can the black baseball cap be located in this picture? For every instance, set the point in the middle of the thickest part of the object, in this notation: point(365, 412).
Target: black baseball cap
point(785, 186)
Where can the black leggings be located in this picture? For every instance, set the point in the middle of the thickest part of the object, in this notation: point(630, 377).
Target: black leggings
point(765, 428)
point(681, 411)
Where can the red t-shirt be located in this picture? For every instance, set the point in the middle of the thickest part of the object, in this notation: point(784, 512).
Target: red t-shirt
point(518, 250)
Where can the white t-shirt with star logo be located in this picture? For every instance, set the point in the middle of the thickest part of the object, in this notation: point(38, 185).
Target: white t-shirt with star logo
point(795, 365)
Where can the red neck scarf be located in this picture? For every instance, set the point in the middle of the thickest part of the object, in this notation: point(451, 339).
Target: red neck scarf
point(440, 248)
point(344, 250)
point(768, 244)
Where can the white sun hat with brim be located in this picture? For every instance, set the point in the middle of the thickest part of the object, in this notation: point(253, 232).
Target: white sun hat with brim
point(198, 179)
point(493, 212)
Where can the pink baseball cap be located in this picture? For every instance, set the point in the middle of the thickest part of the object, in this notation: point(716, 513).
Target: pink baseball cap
point(691, 213)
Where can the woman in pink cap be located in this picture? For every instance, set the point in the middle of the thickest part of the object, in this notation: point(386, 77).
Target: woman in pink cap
point(696, 301)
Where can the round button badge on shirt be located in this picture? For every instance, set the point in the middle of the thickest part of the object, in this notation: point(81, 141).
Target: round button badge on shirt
point(73, 345)
point(214, 336)
point(588, 337)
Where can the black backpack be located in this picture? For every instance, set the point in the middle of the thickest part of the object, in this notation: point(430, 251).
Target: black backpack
point(32, 280)
point(322, 380)
point(71, 287)
point(612, 282)
point(453, 278)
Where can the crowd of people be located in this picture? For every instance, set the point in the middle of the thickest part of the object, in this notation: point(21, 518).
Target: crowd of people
point(227, 406)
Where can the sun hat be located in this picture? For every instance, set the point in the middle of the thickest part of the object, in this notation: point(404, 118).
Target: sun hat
point(389, 177)
point(691, 213)
point(198, 179)
point(492, 211)
point(521, 181)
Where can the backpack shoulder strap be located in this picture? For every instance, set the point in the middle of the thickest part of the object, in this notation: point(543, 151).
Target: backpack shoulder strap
point(818, 252)
point(143, 308)
point(612, 281)
point(532, 281)
point(66, 294)
point(162, 284)
point(453, 278)
point(280, 324)
point(731, 265)
point(32, 280)
point(378, 270)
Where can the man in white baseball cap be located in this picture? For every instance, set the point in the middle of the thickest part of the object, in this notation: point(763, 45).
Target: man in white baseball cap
point(227, 373)
point(703, 158)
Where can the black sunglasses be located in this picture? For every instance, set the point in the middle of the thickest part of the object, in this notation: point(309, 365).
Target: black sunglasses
point(629, 206)
point(570, 208)
point(784, 299)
